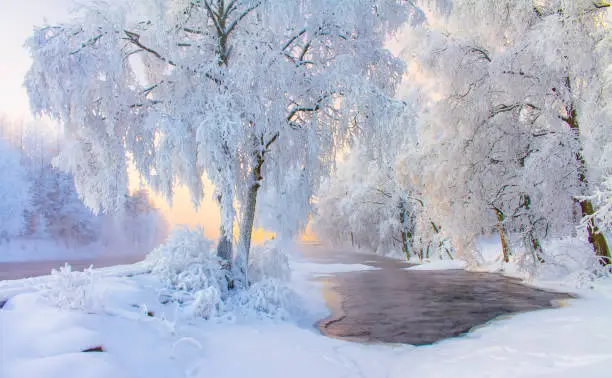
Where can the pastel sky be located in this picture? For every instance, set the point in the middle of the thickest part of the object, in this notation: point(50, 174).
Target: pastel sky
point(17, 18)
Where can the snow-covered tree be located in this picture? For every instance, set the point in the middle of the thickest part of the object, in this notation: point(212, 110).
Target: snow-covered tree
point(237, 89)
point(602, 198)
point(54, 210)
point(360, 204)
point(502, 144)
point(67, 219)
point(364, 202)
point(14, 192)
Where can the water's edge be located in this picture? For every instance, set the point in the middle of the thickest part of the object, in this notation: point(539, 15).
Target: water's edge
point(394, 305)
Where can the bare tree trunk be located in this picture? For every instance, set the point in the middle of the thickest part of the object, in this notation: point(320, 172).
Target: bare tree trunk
point(406, 236)
point(533, 245)
point(502, 235)
point(405, 247)
point(224, 247)
point(596, 238)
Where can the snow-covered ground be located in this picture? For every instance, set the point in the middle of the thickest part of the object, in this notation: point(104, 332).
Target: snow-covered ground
point(440, 265)
point(118, 309)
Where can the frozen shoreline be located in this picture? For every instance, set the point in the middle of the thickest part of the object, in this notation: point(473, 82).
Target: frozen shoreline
point(40, 340)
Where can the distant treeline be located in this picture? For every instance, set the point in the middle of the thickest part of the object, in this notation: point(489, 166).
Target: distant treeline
point(38, 201)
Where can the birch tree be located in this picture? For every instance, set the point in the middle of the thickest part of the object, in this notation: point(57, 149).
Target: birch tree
point(363, 204)
point(241, 90)
point(503, 143)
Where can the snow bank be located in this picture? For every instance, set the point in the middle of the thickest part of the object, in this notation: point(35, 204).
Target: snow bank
point(320, 269)
point(268, 298)
point(43, 341)
point(183, 277)
point(440, 265)
point(569, 262)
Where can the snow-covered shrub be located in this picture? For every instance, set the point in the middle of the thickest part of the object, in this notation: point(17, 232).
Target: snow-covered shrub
point(71, 290)
point(195, 278)
point(207, 303)
point(191, 272)
point(571, 260)
point(269, 294)
point(268, 261)
point(269, 298)
point(568, 260)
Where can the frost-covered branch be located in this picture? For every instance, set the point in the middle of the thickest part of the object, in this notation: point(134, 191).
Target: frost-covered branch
point(134, 38)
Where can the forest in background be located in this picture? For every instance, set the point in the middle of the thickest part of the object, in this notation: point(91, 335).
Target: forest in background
point(506, 131)
point(42, 215)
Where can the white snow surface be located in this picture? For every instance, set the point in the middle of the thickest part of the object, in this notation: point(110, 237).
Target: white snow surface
point(440, 265)
point(40, 339)
point(323, 269)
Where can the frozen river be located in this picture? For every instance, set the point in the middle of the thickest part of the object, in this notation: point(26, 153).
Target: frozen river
point(17, 270)
point(388, 304)
point(395, 305)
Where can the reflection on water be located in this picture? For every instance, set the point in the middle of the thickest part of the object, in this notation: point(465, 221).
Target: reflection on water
point(394, 305)
point(17, 270)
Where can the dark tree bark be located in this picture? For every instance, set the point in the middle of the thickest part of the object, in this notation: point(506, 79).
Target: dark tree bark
point(502, 235)
point(596, 238)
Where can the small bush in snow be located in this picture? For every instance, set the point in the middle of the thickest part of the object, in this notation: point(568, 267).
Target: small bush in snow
point(71, 290)
point(191, 271)
point(187, 262)
point(269, 294)
point(568, 260)
point(195, 278)
point(207, 303)
point(269, 298)
point(268, 261)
